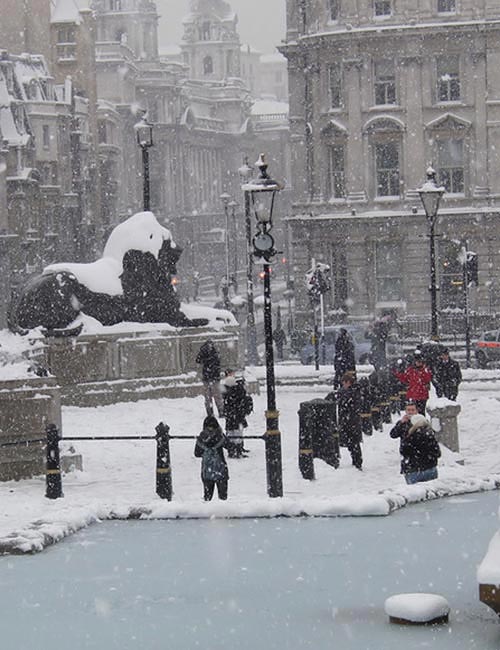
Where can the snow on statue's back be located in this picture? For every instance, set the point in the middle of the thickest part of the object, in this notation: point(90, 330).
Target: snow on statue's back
point(130, 282)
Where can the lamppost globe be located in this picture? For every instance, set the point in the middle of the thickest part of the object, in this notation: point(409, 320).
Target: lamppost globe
point(430, 195)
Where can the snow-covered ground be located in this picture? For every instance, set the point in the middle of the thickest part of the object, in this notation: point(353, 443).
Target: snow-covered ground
point(119, 477)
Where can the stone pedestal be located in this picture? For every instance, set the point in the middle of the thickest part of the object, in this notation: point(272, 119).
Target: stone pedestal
point(447, 428)
point(98, 369)
point(26, 407)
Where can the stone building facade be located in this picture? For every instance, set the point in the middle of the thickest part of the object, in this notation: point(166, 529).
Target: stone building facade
point(378, 91)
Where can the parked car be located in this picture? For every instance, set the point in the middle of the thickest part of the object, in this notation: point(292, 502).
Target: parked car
point(487, 348)
point(327, 349)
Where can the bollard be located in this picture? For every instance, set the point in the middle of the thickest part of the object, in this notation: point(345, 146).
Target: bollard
point(306, 456)
point(366, 414)
point(163, 469)
point(53, 470)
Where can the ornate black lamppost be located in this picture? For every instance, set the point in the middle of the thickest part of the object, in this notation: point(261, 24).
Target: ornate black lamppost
point(245, 172)
point(261, 194)
point(430, 195)
point(233, 205)
point(144, 132)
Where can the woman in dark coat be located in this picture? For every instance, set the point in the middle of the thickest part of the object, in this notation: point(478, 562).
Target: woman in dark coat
point(210, 448)
point(237, 405)
point(344, 356)
point(349, 418)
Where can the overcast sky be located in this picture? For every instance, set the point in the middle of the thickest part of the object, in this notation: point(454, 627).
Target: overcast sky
point(261, 22)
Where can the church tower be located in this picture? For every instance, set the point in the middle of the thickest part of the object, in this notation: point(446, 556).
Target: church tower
point(211, 44)
point(133, 23)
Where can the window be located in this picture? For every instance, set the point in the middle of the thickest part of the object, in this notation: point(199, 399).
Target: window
point(451, 275)
point(334, 9)
point(448, 78)
point(336, 171)
point(66, 43)
point(115, 5)
point(382, 7)
point(46, 136)
point(205, 31)
point(102, 135)
point(388, 271)
point(387, 168)
point(335, 84)
point(446, 6)
point(451, 164)
point(208, 65)
point(385, 82)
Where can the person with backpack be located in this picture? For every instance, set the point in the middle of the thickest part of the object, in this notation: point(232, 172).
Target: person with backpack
point(209, 447)
point(209, 359)
point(237, 405)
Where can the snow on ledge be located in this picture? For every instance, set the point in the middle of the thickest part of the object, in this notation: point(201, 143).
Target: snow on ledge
point(66, 520)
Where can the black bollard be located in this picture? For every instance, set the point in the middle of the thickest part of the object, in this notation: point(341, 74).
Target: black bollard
point(53, 468)
point(306, 457)
point(163, 469)
point(366, 414)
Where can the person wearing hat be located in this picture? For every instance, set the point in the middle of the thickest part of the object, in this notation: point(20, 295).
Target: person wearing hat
point(343, 360)
point(349, 417)
point(417, 378)
point(447, 376)
point(418, 447)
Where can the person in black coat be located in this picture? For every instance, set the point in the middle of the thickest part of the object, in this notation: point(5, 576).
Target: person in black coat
point(209, 447)
point(418, 446)
point(349, 418)
point(343, 360)
point(237, 405)
point(447, 376)
point(209, 359)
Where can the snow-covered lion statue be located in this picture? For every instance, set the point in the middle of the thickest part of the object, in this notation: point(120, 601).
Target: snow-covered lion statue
point(131, 282)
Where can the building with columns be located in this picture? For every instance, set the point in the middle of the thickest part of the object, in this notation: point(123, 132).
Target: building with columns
point(378, 91)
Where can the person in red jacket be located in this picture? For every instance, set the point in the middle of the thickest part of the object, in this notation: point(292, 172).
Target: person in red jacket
point(417, 377)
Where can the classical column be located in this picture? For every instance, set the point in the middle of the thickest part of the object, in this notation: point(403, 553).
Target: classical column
point(354, 171)
point(480, 178)
point(414, 149)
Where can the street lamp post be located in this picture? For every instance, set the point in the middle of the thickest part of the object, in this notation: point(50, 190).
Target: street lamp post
point(225, 200)
point(233, 205)
point(144, 133)
point(245, 172)
point(261, 193)
point(430, 195)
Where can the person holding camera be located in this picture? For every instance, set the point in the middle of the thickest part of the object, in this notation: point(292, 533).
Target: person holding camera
point(418, 446)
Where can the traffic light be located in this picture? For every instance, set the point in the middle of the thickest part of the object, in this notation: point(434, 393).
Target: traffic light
point(471, 269)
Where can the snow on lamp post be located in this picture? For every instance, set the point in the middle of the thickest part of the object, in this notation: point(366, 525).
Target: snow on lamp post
point(245, 172)
point(430, 195)
point(262, 193)
point(144, 134)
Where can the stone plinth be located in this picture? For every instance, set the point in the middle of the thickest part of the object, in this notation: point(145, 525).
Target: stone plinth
point(128, 366)
point(26, 407)
point(447, 430)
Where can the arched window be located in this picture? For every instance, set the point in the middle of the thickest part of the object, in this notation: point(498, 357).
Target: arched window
point(208, 65)
point(385, 136)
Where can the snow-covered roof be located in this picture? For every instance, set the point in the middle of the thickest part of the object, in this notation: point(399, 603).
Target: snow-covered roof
point(68, 11)
point(169, 50)
point(276, 57)
point(10, 130)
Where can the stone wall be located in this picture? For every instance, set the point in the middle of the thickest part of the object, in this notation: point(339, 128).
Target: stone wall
point(108, 368)
point(26, 407)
